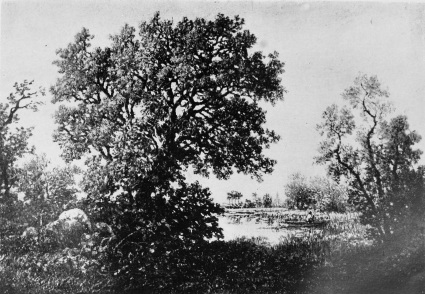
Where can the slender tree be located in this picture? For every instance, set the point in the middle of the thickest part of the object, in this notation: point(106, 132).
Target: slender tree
point(13, 146)
point(374, 154)
point(14, 143)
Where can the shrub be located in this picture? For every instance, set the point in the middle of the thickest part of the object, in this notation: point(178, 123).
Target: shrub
point(320, 193)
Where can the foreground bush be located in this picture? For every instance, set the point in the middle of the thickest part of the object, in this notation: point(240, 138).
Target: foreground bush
point(240, 266)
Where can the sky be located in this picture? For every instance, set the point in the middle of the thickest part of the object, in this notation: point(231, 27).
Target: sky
point(324, 46)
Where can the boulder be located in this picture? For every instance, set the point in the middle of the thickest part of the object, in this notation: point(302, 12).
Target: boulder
point(68, 229)
point(74, 219)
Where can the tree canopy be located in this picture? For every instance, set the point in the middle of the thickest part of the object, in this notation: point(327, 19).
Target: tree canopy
point(375, 153)
point(189, 92)
point(184, 94)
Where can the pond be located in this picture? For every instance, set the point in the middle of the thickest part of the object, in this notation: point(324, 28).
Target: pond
point(248, 225)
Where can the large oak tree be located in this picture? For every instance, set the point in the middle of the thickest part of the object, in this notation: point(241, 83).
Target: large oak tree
point(188, 92)
point(156, 102)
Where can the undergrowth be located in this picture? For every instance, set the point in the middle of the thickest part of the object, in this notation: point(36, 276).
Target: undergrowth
point(337, 260)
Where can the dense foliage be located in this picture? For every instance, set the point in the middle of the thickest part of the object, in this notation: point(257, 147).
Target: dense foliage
point(46, 191)
point(376, 155)
point(177, 95)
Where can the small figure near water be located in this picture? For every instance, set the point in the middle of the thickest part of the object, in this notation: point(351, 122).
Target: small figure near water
point(310, 217)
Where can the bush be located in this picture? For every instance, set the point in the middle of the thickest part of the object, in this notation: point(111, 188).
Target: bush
point(318, 193)
point(239, 266)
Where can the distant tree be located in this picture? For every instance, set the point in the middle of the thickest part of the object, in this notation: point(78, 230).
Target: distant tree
point(375, 155)
point(248, 204)
point(267, 200)
point(13, 146)
point(154, 103)
point(229, 197)
point(235, 196)
point(258, 202)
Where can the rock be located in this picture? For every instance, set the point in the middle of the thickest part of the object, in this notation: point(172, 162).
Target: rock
point(74, 218)
point(68, 229)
